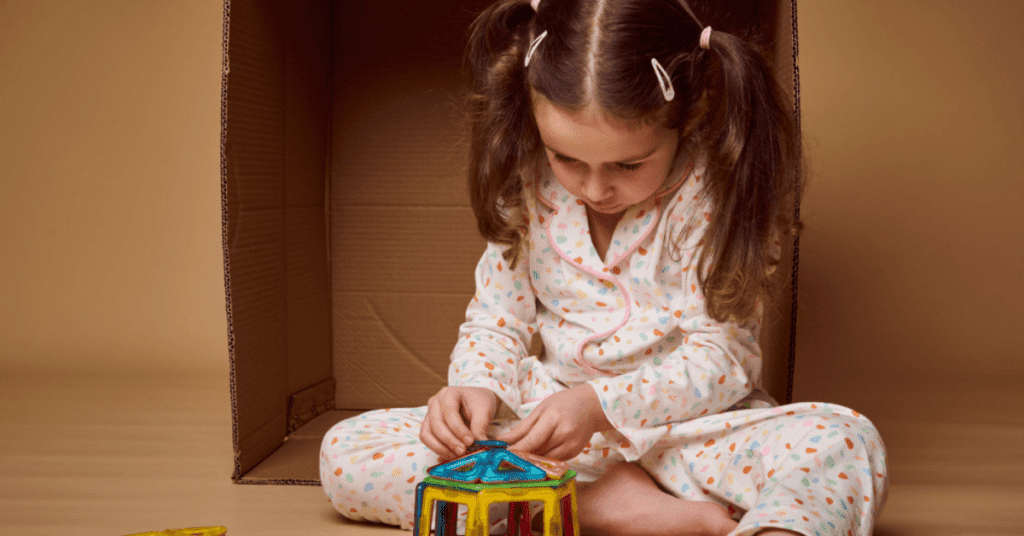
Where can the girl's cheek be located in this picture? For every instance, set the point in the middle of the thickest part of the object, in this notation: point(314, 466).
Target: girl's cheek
point(567, 181)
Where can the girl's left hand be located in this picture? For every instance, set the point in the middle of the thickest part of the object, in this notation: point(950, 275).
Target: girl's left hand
point(561, 425)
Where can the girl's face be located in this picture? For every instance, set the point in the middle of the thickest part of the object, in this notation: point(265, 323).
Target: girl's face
point(609, 166)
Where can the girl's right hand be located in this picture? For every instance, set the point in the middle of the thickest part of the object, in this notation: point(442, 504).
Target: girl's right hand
point(444, 429)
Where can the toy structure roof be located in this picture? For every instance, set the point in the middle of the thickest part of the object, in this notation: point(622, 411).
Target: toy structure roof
point(489, 462)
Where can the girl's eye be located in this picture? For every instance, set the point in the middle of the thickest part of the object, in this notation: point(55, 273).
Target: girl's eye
point(624, 167)
point(564, 159)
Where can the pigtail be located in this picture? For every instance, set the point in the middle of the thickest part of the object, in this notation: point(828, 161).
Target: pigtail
point(750, 138)
point(503, 136)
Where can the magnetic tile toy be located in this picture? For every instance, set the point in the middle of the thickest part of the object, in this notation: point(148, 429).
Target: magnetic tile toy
point(492, 473)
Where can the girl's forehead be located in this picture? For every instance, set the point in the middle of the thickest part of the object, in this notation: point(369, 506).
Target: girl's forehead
point(591, 114)
point(584, 134)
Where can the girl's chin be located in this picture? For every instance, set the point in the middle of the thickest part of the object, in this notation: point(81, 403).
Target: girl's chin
point(609, 210)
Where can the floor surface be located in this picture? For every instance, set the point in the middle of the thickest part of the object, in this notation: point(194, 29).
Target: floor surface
point(115, 456)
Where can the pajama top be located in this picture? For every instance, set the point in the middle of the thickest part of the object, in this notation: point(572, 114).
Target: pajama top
point(633, 325)
point(682, 391)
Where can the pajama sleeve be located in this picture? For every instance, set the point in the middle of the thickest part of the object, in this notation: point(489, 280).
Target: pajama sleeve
point(712, 368)
point(500, 322)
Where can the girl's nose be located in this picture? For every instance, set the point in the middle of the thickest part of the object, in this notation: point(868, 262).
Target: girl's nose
point(595, 186)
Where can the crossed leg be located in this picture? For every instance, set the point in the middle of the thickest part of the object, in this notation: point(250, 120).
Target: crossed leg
point(626, 501)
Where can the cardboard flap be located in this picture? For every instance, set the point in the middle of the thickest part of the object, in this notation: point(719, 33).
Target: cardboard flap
point(275, 137)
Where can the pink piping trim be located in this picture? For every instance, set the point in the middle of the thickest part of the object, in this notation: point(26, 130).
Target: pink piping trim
point(629, 305)
point(629, 299)
point(682, 178)
point(536, 194)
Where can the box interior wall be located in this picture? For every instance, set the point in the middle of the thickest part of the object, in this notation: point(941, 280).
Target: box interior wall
point(349, 243)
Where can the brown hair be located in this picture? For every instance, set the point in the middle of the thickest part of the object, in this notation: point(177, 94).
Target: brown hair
point(597, 56)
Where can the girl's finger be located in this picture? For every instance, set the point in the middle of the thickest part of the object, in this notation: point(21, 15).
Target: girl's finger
point(518, 431)
point(514, 434)
point(555, 446)
point(561, 450)
point(452, 413)
point(439, 427)
point(536, 439)
point(428, 439)
point(478, 425)
point(556, 453)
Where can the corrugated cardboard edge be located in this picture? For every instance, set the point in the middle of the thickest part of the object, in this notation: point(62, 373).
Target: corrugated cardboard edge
point(791, 365)
point(278, 482)
point(225, 69)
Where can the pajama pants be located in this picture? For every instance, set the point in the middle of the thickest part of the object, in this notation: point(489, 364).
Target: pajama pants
point(816, 469)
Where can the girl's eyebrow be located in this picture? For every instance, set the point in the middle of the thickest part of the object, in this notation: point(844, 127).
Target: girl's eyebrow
point(626, 161)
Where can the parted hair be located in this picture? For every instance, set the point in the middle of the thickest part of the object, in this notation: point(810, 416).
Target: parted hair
point(596, 57)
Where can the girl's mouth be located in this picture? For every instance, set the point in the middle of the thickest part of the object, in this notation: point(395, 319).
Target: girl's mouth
point(602, 207)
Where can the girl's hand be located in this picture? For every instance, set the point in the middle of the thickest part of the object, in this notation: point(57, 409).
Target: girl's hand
point(561, 425)
point(444, 429)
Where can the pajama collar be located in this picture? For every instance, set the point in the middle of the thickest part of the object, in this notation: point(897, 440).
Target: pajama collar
point(566, 219)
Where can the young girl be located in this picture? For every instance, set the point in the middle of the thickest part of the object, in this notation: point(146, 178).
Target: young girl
point(628, 167)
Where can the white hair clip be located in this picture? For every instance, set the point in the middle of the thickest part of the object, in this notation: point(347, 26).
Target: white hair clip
point(533, 46)
point(663, 80)
point(705, 38)
point(535, 3)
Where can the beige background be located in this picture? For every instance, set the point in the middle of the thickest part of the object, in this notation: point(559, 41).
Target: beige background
point(911, 270)
point(911, 297)
point(110, 254)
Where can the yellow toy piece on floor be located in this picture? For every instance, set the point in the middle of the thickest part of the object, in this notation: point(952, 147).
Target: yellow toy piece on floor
point(195, 531)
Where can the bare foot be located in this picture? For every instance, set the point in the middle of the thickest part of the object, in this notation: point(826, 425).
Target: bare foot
point(626, 501)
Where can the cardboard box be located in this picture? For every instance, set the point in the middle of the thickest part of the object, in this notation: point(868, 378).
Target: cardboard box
point(349, 243)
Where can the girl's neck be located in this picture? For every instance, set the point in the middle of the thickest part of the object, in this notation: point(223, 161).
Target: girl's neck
point(603, 220)
point(602, 227)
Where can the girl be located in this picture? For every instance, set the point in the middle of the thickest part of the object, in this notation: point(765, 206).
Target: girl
point(627, 167)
